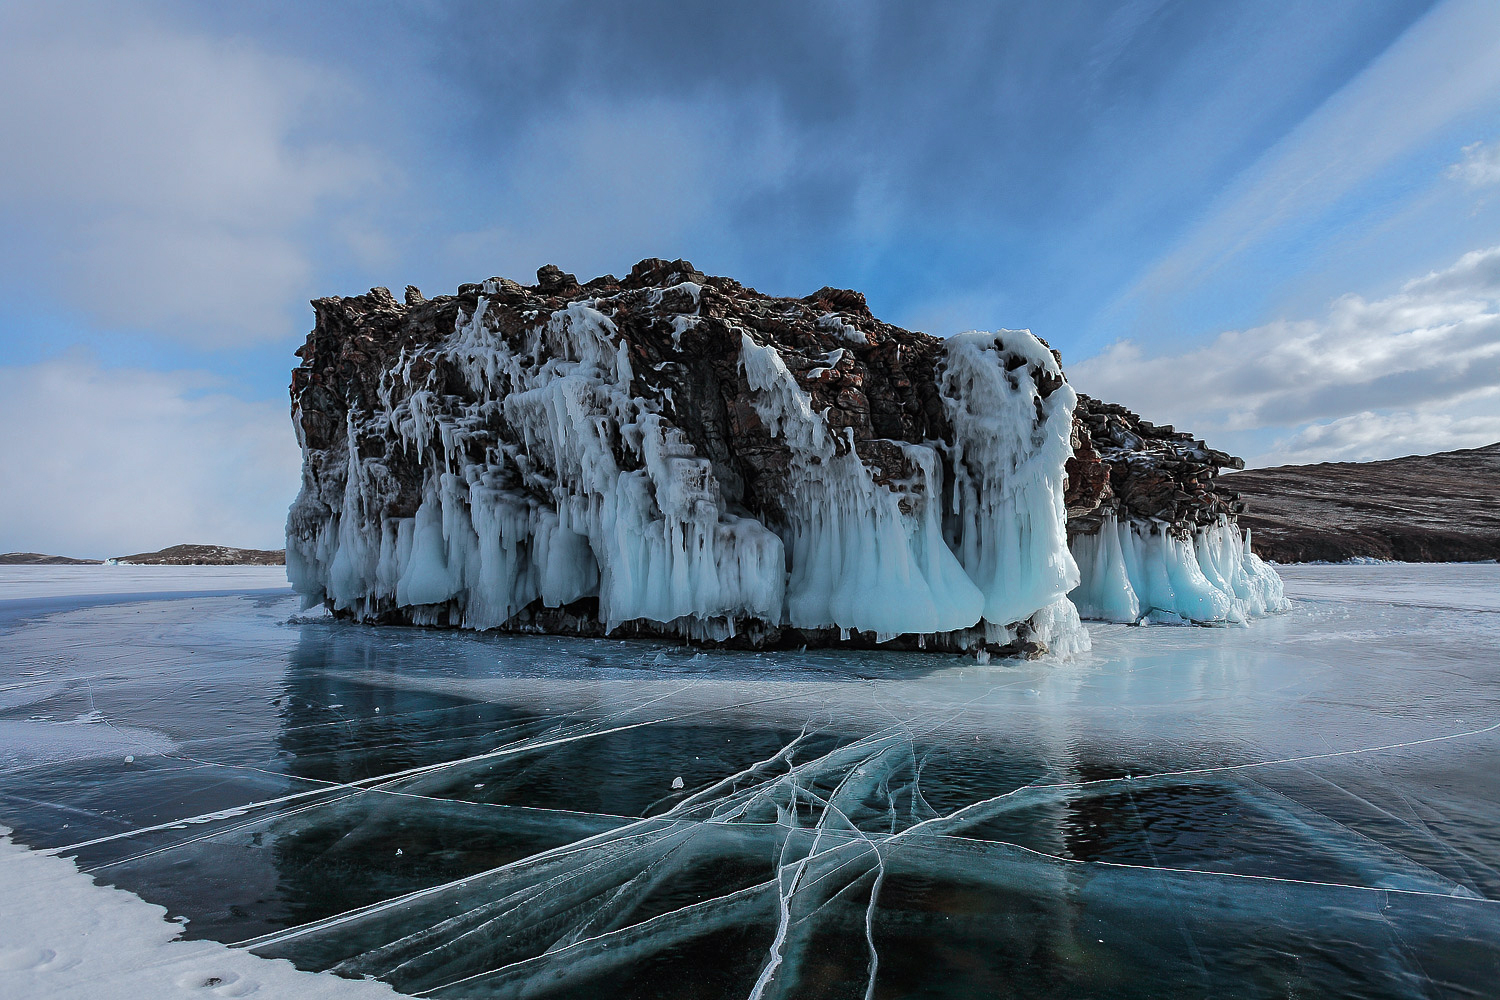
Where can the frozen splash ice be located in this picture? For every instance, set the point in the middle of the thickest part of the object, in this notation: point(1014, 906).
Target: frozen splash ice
point(651, 542)
point(863, 555)
point(1011, 443)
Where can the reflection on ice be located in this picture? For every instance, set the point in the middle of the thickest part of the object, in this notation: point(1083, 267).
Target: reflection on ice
point(1308, 807)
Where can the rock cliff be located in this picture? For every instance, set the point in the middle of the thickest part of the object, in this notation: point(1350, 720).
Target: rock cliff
point(672, 453)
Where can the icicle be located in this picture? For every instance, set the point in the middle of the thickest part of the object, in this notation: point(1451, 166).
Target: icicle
point(1137, 569)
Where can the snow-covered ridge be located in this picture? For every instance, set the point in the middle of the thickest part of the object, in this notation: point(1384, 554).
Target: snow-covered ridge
point(674, 454)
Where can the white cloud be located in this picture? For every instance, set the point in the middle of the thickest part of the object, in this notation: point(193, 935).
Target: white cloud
point(147, 173)
point(1368, 436)
point(1425, 362)
point(108, 461)
point(1480, 165)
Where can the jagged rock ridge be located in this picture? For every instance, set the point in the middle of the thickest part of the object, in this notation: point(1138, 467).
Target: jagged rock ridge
point(1126, 465)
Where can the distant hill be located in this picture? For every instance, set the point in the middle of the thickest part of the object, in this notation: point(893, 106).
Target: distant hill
point(205, 555)
point(38, 559)
point(1424, 508)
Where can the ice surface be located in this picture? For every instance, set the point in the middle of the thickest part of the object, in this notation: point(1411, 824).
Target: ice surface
point(1308, 807)
point(37, 582)
point(28, 742)
point(1438, 585)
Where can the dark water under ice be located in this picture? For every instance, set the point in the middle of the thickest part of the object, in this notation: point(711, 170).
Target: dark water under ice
point(1310, 807)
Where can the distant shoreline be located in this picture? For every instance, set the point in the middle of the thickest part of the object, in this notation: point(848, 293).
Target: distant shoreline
point(175, 555)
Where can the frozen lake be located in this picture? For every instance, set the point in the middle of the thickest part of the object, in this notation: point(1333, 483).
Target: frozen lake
point(1308, 807)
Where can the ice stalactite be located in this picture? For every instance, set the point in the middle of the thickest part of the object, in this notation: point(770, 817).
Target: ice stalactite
point(863, 555)
point(1133, 571)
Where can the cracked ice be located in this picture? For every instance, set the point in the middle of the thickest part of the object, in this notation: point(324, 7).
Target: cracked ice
point(464, 815)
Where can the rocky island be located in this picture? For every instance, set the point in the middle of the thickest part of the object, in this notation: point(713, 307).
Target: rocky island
point(674, 454)
point(43, 559)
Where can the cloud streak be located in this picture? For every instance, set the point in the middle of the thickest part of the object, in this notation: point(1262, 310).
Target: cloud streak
point(1444, 69)
point(604, 183)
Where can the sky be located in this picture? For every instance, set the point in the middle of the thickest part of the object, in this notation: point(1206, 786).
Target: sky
point(1274, 225)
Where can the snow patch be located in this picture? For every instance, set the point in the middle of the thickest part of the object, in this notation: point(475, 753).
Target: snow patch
point(67, 936)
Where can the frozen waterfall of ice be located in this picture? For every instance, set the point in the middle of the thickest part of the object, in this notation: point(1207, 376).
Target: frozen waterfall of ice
point(656, 541)
point(1134, 570)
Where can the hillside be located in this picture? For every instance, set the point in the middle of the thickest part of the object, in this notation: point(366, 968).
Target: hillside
point(205, 555)
point(41, 559)
point(1422, 508)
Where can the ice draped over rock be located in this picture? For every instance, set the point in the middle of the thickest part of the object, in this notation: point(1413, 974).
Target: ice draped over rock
point(652, 542)
point(1153, 527)
point(674, 454)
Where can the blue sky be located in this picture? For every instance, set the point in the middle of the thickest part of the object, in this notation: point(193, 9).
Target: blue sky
point(1268, 223)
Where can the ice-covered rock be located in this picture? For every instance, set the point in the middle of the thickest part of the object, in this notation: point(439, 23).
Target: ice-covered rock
point(1153, 529)
point(674, 454)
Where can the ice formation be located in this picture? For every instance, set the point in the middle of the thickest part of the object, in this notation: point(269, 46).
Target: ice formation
point(548, 465)
point(1136, 571)
point(674, 454)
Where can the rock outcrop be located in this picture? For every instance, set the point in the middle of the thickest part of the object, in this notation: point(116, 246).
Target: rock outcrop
point(1127, 466)
point(675, 454)
point(1422, 508)
point(1154, 529)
